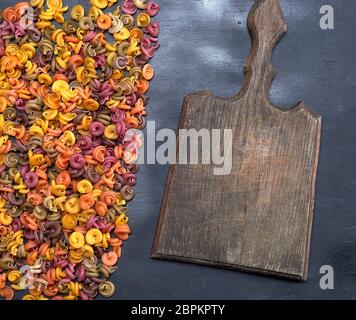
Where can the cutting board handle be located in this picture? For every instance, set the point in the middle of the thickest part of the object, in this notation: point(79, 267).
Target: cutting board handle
point(267, 26)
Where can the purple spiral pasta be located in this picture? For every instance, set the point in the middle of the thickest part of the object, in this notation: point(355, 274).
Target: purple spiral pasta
point(31, 180)
point(77, 161)
point(97, 129)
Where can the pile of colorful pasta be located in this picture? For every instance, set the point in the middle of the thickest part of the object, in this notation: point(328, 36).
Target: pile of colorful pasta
point(73, 86)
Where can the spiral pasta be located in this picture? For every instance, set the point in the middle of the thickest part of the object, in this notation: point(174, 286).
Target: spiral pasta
point(70, 91)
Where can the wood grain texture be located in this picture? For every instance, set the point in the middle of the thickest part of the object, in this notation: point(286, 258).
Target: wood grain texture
point(259, 217)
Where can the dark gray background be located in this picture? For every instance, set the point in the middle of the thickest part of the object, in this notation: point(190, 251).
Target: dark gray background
point(204, 45)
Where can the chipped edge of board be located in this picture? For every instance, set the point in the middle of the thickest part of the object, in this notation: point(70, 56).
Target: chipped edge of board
point(312, 198)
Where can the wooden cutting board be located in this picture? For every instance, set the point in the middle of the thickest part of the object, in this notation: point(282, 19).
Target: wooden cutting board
point(259, 217)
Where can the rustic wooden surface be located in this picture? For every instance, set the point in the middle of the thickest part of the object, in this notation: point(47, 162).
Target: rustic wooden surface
point(259, 217)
